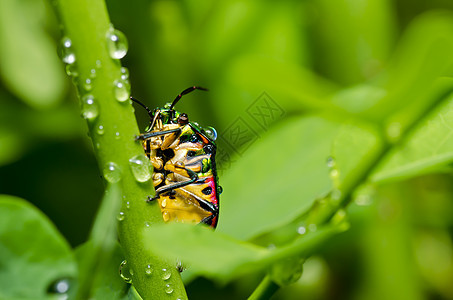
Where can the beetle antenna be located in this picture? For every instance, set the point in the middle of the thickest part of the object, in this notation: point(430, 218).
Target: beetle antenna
point(186, 91)
point(150, 113)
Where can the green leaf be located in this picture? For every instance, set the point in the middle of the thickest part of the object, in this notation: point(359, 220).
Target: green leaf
point(30, 66)
point(106, 282)
point(428, 149)
point(354, 146)
point(222, 257)
point(278, 178)
point(387, 242)
point(422, 56)
point(33, 254)
point(352, 39)
point(102, 243)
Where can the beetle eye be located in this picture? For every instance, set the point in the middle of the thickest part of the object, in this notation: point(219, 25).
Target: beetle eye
point(183, 119)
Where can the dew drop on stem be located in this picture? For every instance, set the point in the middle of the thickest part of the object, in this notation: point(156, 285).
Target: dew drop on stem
point(66, 51)
point(112, 172)
point(141, 167)
point(116, 43)
point(121, 90)
point(90, 108)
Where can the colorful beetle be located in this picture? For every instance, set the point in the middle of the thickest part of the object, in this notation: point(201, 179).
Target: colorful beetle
point(183, 157)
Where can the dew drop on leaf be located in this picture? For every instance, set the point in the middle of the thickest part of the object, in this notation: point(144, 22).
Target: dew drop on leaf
point(148, 270)
point(168, 288)
point(122, 271)
point(166, 274)
point(60, 286)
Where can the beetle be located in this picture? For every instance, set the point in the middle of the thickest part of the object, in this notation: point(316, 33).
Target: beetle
point(183, 156)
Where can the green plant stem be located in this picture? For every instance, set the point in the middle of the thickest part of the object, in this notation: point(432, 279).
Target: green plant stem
point(101, 243)
point(323, 211)
point(86, 23)
point(265, 289)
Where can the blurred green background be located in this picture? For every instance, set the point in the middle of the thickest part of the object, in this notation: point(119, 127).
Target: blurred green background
point(297, 56)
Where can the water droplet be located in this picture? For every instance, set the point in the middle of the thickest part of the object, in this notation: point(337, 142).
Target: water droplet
point(147, 224)
point(122, 271)
point(100, 130)
point(67, 52)
point(112, 172)
point(117, 135)
point(89, 107)
point(148, 270)
point(334, 173)
point(211, 133)
point(163, 203)
point(128, 205)
point(131, 271)
point(394, 131)
point(98, 64)
point(122, 90)
point(60, 286)
point(71, 70)
point(312, 227)
point(124, 73)
point(166, 274)
point(335, 194)
point(301, 230)
point(116, 43)
point(141, 167)
point(88, 84)
point(93, 73)
point(120, 216)
point(219, 190)
point(166, 216)
point(98, 145)
point(330, 162)
point(168, 288)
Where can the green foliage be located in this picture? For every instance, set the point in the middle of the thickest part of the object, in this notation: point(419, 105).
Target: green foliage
point(33, 253)
point(348, 178)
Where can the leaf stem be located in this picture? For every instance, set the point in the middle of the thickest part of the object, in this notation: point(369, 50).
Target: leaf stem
point(324, 212)
point(265, 289)
point(112, 127)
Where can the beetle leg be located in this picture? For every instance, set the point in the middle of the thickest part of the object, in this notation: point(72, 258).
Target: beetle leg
point(157, 162)
point(157, 178)
point(170, 187)
point(208, 220)
point(146, 136)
